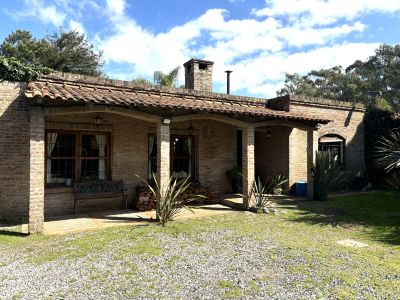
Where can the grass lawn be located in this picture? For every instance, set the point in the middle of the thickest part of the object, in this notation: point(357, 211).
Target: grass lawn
point(292, 254)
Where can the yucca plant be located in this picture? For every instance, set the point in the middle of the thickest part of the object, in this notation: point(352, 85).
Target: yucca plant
point(170, 200)
point(326, 174)
point(388, 151)
point(392, 182)
point(259, 192)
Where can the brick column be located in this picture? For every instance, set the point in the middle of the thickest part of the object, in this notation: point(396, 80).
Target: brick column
point(247, 164)
point(312, 147)
point(36, 173)
point(163, 155)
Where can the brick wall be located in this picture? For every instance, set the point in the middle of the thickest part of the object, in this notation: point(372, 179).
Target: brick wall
point(297, 156)
point(215, 154)
point(14, 151)
point(347, 122)
point(272, 155)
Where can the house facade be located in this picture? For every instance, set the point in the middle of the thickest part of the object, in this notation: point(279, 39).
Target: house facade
point(66, 128)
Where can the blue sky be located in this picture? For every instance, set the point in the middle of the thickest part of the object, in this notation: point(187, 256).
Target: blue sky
point(260, 40)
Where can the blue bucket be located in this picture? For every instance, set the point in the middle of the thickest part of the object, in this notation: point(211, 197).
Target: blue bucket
point(301, 188)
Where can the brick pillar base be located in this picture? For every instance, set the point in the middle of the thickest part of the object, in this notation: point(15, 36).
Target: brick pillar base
point(36, 173)
point(248, 164)
point(163, 155)
point(312, 148)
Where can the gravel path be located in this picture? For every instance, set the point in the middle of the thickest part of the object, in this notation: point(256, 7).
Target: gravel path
point(201, 265)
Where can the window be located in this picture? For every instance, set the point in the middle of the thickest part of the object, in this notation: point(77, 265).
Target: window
point(76, 156)
point(181, 152)
point(333, 143)
point(181, 156)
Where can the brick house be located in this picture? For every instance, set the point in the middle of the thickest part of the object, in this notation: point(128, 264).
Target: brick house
point(49, 137)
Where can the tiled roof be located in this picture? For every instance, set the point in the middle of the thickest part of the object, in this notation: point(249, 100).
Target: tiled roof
point(61, 91)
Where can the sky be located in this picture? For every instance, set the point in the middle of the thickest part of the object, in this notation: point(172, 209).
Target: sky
point(260, 40)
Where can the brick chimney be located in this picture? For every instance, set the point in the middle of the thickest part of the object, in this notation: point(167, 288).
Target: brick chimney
point(198, 75)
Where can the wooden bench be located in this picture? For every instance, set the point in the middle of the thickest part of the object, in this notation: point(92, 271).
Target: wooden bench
point(99, 189)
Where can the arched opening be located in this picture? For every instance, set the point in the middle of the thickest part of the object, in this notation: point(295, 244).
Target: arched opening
point(335, 144)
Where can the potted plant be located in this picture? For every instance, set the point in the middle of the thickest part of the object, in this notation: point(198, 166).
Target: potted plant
point(277, 182)
point(234, 175)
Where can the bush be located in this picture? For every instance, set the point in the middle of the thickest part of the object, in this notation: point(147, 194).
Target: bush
point(326, 174)
point(170, 200)
point(260, 193)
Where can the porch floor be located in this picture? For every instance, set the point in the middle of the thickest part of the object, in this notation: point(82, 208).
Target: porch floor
point(96, 220)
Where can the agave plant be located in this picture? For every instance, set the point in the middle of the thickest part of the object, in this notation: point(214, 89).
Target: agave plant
point(388, 151)
point(170, 200)
point(277, 182)
point(326, 174)
point(392, 182)
point(259, 192)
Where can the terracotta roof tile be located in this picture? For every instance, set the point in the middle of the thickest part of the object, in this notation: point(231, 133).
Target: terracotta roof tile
point(70, 91)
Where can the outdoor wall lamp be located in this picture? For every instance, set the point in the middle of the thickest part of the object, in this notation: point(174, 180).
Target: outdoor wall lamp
point(97, 120)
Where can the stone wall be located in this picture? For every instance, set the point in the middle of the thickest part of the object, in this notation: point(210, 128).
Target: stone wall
point(14, 151)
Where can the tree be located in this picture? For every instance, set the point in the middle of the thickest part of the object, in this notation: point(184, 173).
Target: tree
point(375, 82)
point(65, 51)
point(168, 80)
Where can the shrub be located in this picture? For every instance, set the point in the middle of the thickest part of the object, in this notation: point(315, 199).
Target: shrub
point(260, 193)
point(326, 174)
point(170, 200)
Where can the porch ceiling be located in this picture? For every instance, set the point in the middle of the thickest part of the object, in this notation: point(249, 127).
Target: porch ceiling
point(156, 100)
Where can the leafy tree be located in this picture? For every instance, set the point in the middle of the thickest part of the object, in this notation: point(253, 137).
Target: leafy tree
point(375, 82)
point(65, 51)
point(169, 80)
point(14, 70)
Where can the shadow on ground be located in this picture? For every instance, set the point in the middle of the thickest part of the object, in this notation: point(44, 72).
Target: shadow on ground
point(377, 212)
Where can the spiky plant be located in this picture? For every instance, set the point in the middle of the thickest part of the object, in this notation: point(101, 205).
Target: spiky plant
point(388, 151)
point(259, 192)
point(392, 182)
point(167, 80)
point(170, 200)
point(326, 174)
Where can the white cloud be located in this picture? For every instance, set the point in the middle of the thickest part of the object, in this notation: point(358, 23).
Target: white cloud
point(37, 9)
point(260, 51)
point(324, 12)
point(77, 26)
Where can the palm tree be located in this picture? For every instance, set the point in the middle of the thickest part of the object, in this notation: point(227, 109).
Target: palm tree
point(167, 80)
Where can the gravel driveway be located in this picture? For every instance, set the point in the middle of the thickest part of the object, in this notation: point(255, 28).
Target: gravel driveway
point(201, 261)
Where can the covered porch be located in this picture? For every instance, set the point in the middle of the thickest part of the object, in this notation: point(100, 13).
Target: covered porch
point(145, 133)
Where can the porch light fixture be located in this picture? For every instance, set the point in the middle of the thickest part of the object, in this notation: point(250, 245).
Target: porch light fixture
point(268, 134)
point(166, 121)
point(190, 130)
point(97, 120)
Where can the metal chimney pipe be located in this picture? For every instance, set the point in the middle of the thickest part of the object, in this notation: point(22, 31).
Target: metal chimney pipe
point(228, 81)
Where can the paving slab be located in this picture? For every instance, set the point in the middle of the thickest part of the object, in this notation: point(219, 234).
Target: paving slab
point(97, 220)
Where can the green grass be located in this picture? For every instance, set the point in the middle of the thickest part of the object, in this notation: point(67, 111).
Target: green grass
point(307, 230)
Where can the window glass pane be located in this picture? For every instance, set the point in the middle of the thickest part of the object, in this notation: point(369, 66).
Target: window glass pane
point(92, 169)
point(181, 146)
point(94, 145)
point(61, 169)
point(61, 145)
point(335, 149)
point(181, 168)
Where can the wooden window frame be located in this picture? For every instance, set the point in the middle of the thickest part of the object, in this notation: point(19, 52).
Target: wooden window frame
point(78, 147)
point(172, 136)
